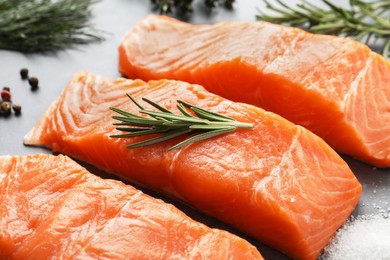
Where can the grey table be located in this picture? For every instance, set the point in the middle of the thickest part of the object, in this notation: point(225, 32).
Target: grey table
point(116, 17)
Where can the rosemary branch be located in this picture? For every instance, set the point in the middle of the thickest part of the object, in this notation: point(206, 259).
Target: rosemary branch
point(205, 124)
point(368, 22)
point(185, 6)
point(45, 25)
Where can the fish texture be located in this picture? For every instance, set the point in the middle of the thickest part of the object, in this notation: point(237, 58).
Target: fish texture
point(336, 87)
point(52, 208)
point(278, 182)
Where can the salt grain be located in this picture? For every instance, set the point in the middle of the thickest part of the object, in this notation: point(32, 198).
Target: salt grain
point(363, 237)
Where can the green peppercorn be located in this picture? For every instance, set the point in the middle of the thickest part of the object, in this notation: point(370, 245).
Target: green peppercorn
point(24, 73)
point(33, 81)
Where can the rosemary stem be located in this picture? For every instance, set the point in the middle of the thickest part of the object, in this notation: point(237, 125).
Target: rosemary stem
point(203, 123)
point(235, 124)
point(366, 21)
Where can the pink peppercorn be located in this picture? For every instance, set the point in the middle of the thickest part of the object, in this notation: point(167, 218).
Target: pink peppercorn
point(6, 95)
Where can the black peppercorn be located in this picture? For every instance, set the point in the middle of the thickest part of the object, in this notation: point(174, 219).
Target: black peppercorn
point(24, 73)
point(17, 109)
point(33, 81)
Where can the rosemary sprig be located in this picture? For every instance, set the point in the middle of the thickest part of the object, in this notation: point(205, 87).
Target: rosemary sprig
point(45, 25)
point(185, 6)
point(203, 123)
point(368, 22)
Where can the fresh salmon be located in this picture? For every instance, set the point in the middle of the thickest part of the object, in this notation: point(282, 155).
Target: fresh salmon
point(334, 86)
point(278, 182)
point(52, 208)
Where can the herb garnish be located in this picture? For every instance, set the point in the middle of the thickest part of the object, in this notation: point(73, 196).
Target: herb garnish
point(364, 21)
point(185, 6)
point(45, 25)
point(206, 124)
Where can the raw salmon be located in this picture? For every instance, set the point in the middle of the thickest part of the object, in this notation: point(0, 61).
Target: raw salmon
point(279, 182)
point(334, 86)
point(52, 208)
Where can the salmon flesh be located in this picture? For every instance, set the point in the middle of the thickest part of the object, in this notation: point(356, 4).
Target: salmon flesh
point(278, 182)
point(336, 87)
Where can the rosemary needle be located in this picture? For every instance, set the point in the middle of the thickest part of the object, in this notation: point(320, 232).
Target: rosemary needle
point(46, 25)
point(365, 21)
point(202, 123)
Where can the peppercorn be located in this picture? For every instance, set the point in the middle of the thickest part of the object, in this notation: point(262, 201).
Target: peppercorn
point(33, 81)
point(17, 109)
point(24, 73)
point(6, 108)
point(6, 94)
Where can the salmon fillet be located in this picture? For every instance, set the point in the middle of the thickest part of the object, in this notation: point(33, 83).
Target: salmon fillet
point(52, 208)
point(279, 182)
point(336, 87)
